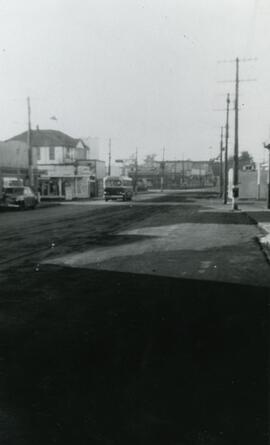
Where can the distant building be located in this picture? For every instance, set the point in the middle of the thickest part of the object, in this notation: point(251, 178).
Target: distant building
point(177, 174)
point(93, 147)
point(14, 161)
point(117, 170)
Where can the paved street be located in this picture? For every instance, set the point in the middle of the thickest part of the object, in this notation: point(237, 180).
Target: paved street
point(175, 235)
point(127, 323)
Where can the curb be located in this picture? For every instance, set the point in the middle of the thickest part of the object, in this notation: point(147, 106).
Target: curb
point(46, 205)
point(264, 240)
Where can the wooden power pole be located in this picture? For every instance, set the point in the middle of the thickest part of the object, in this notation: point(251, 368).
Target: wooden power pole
point(226, 151)
point(221, 163)
point(235, 188)
point(162, 170)
point(136, 172)
point(110, 157)
point(29, 144)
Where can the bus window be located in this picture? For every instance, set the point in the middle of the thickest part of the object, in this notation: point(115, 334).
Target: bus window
point(113, 183)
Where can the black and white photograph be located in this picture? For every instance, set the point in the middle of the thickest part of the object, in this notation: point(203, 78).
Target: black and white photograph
point(134, 222)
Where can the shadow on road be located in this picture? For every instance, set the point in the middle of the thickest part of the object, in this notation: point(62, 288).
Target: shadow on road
point(190, 215)
point(183, 196)
point(96, 357)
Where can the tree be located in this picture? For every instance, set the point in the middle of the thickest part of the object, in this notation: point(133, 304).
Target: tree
point(244, 159)
point(214, 163)
point(149, 160)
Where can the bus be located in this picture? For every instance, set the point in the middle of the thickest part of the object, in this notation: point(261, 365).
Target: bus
point(118, 187)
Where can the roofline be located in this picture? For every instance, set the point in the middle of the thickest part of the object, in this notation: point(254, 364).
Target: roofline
point(17, 137)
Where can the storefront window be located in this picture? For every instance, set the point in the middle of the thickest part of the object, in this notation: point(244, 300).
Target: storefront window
point(49, 188)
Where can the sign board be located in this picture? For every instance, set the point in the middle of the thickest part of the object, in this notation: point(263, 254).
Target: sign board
point(68, 193)
point(12, 182)
point(83, 170)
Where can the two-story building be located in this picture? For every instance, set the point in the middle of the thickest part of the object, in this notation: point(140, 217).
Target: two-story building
point(65, 170)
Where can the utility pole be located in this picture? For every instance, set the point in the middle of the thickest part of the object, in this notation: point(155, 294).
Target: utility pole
point(268, 181)
point(268, 176)
point(183, 169)
point(221, 163)
point(162, 170)
point(226, 151)
point(29, 144)
point(235, 189)
point(136, 171)
point(110, 156)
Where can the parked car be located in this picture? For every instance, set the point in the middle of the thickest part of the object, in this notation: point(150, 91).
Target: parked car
point(21, 197)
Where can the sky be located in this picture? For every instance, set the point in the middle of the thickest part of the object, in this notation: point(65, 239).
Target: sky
point(145, 73)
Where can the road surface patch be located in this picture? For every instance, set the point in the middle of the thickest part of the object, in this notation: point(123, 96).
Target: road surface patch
point(204, 266)
point(159, 250)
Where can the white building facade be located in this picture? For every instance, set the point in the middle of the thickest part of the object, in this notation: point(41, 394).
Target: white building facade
point(63, 163)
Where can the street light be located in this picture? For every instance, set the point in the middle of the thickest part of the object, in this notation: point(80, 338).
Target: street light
point(267, 146)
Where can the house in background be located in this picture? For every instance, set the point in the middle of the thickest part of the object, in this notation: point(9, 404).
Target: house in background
point(63, 164)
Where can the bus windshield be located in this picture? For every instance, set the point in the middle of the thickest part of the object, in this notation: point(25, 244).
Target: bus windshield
point(110, 182)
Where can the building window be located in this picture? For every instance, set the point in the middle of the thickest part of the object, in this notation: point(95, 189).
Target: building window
point(69, 154)
point(38, 153)
point(52, 153)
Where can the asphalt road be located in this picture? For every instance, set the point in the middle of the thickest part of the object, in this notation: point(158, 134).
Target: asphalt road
point(142, 323)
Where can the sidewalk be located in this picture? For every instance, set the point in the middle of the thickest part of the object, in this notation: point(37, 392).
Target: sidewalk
point(257, 212)
point(46, 204)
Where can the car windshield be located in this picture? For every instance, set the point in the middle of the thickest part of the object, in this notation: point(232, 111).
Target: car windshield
point(28, 191)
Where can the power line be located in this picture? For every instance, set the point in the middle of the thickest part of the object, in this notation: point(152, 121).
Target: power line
point(249, 59)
